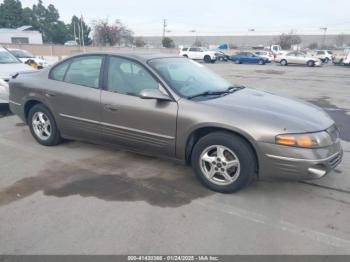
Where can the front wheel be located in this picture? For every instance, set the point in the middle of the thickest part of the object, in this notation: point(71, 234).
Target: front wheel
point(310, 63)
point(43, 126)
point(223, 162)
point(207, 59)
point(261, 62)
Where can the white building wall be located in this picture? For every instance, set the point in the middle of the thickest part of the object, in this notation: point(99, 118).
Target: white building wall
point(34, 37)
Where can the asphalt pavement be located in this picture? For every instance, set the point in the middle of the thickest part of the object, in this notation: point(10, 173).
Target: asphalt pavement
point(80, 198)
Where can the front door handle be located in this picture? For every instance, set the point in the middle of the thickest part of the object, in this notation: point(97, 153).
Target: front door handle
point(50, 94)
point(109, 107)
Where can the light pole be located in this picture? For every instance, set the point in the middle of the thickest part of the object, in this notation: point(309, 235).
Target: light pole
point(247, 35)
point(195, 35)
point(324, 29)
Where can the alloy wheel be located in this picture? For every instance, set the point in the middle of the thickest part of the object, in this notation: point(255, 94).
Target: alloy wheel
point(220, 165)
point(41, 125)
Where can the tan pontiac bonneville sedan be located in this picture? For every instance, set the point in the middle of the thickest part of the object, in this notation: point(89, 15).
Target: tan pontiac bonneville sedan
point(173, 107)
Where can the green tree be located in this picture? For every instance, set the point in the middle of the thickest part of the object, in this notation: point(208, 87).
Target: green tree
point(168, 42)
point(11, 14)
point(46, 20)
point(77, 27)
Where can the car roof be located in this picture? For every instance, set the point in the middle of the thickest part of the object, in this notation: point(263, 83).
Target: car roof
point(140, 56)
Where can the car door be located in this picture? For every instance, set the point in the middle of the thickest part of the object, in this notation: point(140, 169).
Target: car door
point(74, 95)
point(301, 58)
point(195, 53)
point(292, 58)
point(253, 58)
point(127, 119)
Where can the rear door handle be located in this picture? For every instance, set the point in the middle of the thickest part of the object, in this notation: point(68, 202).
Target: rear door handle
point(109, 107)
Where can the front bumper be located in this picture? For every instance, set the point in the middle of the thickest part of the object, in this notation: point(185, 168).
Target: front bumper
point(318, 63)
point(299, 163)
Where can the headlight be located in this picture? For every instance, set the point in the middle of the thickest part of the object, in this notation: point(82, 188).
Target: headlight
point(308, 140)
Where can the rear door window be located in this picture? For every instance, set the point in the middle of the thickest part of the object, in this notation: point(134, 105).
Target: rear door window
point(194, 49)
point(85, 71)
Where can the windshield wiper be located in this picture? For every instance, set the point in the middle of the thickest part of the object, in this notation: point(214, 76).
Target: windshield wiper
point(229, 90)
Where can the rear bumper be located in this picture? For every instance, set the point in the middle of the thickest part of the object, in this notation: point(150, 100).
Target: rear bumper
point(4, 92)
point(299, 163)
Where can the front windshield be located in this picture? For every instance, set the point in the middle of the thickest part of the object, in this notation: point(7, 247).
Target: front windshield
point(22, 54)
point(188, 78)
point(7, 58)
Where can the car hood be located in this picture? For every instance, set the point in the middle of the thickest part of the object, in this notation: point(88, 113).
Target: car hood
point(6, 70)
point(272, 111)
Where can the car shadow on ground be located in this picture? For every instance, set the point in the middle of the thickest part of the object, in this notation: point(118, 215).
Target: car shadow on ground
point(4, 110)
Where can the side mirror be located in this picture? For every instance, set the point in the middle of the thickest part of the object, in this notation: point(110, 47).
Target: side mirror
point(154, 94)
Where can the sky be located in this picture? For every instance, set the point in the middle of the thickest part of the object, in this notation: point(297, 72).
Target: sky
point(207, 17)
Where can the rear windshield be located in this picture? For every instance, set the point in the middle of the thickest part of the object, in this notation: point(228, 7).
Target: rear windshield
point(7, 58)
point(22, 54)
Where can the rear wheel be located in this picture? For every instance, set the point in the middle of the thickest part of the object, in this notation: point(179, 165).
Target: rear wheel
point(207, 59)
point(261, 62)
point(326, 60)
point(185, 56)
point(237, 62)
point(223, 162)
point(283, 62)
point(43, 126)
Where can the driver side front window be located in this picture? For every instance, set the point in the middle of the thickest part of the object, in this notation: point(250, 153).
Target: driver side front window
point(128, 77)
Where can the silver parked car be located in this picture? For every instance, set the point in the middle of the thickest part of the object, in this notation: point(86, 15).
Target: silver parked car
point(9, 65)
point(177, 108)
point(297, 58)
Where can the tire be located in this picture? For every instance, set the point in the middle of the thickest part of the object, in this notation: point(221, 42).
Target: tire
point(261, 62)
point(207, 59)
point(185, 56)
point(283, 62)
point(310, 63)
point(51, 135)
point(326, 60)
point(237, 62)
point(234, 147)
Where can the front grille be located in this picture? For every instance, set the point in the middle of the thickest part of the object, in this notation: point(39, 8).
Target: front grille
point(335, 160)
